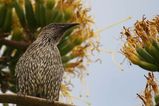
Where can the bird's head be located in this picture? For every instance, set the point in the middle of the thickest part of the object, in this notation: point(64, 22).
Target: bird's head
point(54, 32)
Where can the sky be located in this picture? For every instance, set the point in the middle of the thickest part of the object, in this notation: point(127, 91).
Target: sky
point(107, 84)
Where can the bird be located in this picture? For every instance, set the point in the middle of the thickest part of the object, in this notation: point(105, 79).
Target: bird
point(39, 70)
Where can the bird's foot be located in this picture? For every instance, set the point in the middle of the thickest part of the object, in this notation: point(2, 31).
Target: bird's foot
point(21, 94)
point(49, 100)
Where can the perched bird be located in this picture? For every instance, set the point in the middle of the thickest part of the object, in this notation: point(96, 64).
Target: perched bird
point(39, 70)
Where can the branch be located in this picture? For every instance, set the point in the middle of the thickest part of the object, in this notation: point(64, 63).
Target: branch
point(28, 100)
point(3, 59)
point(4, 35)
point(13, 43)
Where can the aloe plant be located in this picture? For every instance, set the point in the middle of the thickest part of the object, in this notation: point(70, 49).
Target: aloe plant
point(150, 95)
point(20, 23)
point(141, 47)
point(142, 44)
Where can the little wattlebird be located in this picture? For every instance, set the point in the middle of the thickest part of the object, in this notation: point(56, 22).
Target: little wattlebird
point(39, 70)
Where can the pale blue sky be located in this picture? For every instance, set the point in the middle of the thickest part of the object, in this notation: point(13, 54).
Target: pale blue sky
point(108, 85)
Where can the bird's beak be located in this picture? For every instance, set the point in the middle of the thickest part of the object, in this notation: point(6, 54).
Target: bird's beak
point(68, 26)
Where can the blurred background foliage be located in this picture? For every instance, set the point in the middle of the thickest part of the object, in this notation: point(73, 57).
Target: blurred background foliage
point(20, 23)
point(141, 47)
